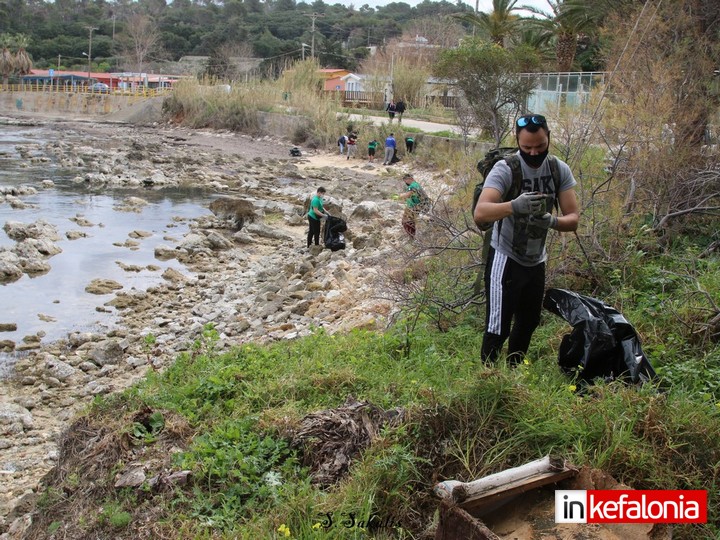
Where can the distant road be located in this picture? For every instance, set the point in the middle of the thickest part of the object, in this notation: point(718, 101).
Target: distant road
point(427, 127)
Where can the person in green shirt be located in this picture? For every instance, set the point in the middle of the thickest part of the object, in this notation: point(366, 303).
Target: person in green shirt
point(412, 200)
point(409, 144)
point(315, 214)
point(372, 146)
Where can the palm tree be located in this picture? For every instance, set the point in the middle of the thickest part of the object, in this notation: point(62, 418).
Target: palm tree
point(561, 26)
point(536, 40)
point(499, 24)
point(7, 60)
point(23, 63)
point(569, 19)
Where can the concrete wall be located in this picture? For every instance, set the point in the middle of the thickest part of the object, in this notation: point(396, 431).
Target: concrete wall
point(71, 103)
point(433, 143)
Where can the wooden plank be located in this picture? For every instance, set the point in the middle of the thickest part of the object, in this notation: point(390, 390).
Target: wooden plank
point(478, 503)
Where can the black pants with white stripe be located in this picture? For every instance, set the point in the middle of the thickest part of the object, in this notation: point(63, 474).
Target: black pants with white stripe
point(513, 294)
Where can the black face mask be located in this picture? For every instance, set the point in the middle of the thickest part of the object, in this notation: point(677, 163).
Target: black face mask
point(536, 160)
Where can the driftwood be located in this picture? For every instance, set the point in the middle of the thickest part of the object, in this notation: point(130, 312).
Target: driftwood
point(489, 492)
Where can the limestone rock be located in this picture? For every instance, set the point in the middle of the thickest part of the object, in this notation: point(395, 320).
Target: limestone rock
point(102, 286)
point(12, 413)
point(106, 352)
point(58, 369)
point(267, 232)
point(365, 210)
point(165, 252)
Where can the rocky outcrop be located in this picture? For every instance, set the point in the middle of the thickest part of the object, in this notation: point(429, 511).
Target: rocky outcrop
point(35, 243)
point(256, 284)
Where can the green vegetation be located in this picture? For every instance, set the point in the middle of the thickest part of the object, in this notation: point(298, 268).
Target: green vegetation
point(232, 420)
point(219, 434)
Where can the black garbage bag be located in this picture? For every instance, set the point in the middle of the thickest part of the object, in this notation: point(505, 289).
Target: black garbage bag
point(602, 343)
point(333, 238)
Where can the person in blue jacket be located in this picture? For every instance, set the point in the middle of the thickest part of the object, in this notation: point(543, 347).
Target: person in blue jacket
point(390, 145)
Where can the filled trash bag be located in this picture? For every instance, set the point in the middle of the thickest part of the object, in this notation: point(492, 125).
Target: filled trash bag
point(602, 343)
point(333, 238)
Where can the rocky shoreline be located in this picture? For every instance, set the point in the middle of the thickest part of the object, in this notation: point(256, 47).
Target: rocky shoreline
point(258, 283)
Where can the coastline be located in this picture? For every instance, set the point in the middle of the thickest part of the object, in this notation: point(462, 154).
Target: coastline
point(257, 284)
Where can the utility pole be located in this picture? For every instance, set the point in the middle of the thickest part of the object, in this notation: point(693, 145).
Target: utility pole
point(89, 55)
point(313, 16)
point(477, 5)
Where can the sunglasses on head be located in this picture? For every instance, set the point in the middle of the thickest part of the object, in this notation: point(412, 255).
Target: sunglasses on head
point(528, 119)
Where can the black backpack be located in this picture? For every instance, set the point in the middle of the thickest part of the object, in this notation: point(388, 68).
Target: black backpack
point(509, 154)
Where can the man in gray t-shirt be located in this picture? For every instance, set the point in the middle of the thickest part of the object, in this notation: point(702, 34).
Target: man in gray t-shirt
point(515, 269)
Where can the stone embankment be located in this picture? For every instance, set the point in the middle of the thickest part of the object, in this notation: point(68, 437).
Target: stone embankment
point(258, 283)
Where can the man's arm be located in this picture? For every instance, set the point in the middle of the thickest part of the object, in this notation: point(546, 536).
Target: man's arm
point(568, 221)
point(490, 207)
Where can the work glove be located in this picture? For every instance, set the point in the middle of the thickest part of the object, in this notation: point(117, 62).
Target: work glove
point(528, 203)
point(545, 221)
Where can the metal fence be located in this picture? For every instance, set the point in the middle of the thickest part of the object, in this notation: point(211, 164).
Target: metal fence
point(83, 89)
point(555, 89)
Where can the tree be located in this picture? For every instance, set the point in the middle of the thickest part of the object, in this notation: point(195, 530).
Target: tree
point(7, 60)
point(409, 82)
point(499, 24)
point(23, 64)
point(444, 32)
point(663, 91)
point(487, 75)
point(143, 37)
point(569, 20)
point(561, 27)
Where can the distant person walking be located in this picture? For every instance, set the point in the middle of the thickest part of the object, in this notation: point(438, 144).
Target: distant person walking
point(390, 145)
point(315, 215)
point(400, 109)
point(391, 108)
point(372, 146)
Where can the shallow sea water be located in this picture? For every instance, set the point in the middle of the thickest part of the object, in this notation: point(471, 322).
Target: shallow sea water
point(60, 294)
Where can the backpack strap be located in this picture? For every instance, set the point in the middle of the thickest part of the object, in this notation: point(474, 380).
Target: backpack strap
point(513, 162)
point(555, 173)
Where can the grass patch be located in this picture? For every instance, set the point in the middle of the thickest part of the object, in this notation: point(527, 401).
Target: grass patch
point(460, 420)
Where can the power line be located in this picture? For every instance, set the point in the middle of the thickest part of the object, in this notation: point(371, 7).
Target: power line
point(313, 16)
